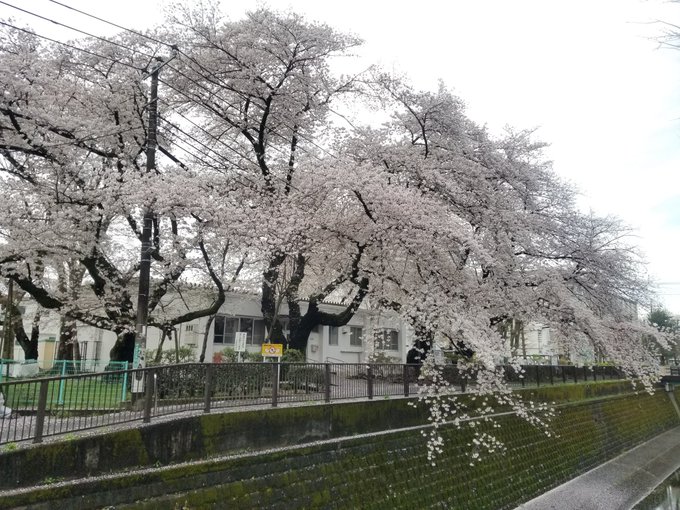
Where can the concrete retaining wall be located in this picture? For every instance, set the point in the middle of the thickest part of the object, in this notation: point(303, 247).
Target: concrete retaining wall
point(383, 470)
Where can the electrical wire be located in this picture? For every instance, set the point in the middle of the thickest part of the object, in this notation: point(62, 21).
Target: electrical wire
point(193, 60)
point(135, 32)
point(50, 20)
point(220, 159)
point(177, 71)
point(67, 45)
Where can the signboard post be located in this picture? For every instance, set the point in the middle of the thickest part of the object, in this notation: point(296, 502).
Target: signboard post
point(240, 343)
point(274, 351)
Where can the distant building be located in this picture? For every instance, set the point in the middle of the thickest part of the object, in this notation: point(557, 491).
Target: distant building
point(240, 313)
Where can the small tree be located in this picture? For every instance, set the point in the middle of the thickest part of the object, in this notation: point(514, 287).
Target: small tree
point(668, 325)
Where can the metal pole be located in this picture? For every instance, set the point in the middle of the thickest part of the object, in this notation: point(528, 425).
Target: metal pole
point(40, 414)
point(208, 387)
point(327, 382)
point(147, 225)
point(275, 384)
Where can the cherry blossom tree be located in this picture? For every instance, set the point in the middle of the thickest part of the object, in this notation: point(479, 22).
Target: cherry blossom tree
point(72, 129)
point(428, 215)
point(455, 229)
point(260, 89)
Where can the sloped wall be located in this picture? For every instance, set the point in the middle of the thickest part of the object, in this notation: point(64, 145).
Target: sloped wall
point(352, 465)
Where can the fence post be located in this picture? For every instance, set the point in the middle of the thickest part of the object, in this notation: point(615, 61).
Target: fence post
point(61, 382)
point(585, 373)
point(40, 415)
point(575, 374)
point(369, 380)
point(148, 394)
point(123, 390)
point(407, 383)
point(275, 384)
point(208, 386)
point(550, 371)
point(327, 380)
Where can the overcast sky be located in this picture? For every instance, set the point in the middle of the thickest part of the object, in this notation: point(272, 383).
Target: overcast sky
point(586, 73)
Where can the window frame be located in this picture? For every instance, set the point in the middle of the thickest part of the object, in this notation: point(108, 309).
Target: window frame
point(356, 339)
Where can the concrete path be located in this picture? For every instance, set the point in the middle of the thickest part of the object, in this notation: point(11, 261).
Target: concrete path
point(620, 483)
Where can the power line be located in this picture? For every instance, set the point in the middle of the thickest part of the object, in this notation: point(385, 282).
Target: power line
point(245, 97)
point(67, 45)
point(272, 175)
point(193, 60)
point(219, 140)
point(180, 73)
point(111, 23)
point(75, 29)
point(214, 167)
point(209, 149)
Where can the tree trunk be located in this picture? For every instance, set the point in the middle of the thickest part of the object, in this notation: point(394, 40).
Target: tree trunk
point(68, 348)
point(29, 345)
point(159, 351)
point(7, 324)
point(270, 310)
point(206, 335)
point(173, 332)
point(124, 348)
point(299, 337)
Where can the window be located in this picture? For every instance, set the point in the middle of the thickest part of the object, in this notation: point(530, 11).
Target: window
point(246, 326)
point(218, 334)
point(227, 327)
point(258, 331)
point(332, 335)
point(387, 340)
point(189, 327)
point(355, 334)
point(83, 350)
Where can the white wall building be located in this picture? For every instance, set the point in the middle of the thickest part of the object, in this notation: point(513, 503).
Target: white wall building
point(352, 343)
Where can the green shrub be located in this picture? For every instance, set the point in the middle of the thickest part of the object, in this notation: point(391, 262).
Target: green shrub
point(241, 379)
point(185, 353)
point(305, 377)
point(379, 357)
point(293, 356)
point(229, 355)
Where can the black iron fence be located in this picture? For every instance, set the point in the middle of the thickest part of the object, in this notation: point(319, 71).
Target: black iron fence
point(63, 404)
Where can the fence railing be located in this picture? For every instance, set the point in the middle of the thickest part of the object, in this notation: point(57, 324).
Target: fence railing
point(72, 402)
point(10, 368)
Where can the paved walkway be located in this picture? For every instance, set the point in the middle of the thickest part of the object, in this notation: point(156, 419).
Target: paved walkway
point(620, 483)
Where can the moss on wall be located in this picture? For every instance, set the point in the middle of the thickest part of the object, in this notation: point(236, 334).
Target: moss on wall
point(387, 470)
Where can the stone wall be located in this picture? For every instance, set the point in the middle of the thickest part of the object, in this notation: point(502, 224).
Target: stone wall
point(357, 462)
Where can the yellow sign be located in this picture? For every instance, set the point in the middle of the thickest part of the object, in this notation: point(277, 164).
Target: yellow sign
point(272, 350)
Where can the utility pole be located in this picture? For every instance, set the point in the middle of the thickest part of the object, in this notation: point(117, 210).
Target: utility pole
point(145, 257)
point(139, 360)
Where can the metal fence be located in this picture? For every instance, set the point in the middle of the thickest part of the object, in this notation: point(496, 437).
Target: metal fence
point(75, 401)
point(10, 368)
